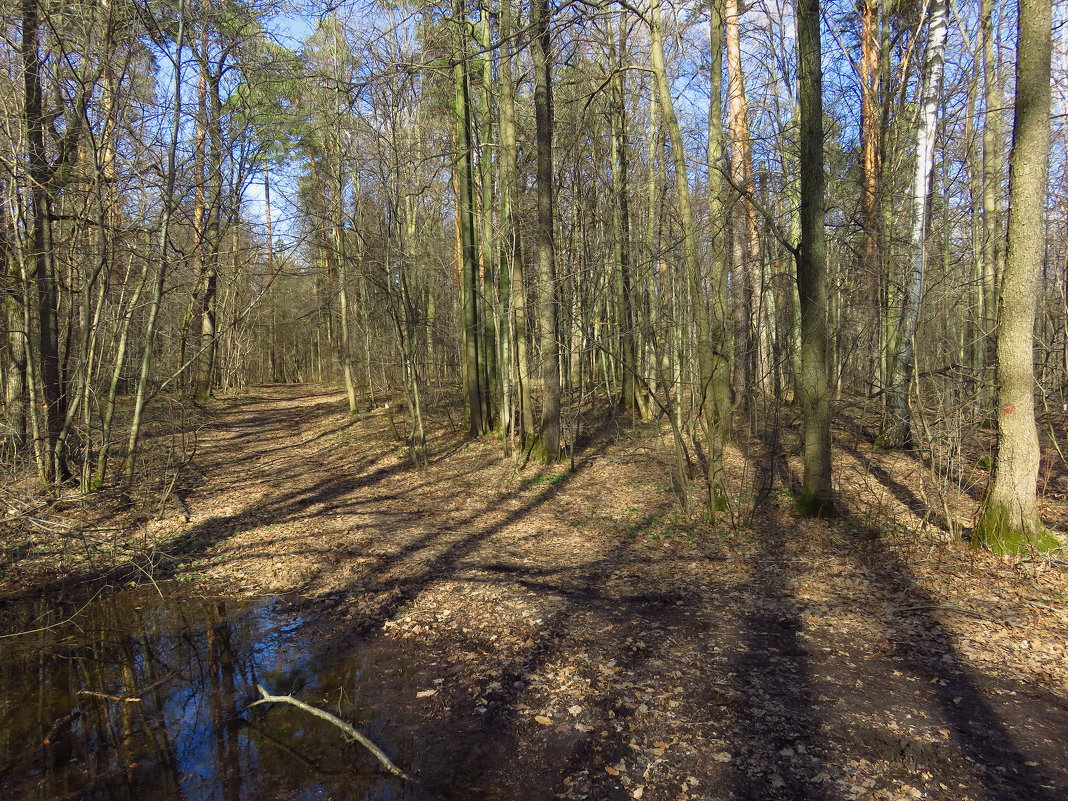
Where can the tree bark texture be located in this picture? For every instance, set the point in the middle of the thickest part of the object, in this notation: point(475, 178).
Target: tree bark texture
point(816, 493)
point(1009, 520)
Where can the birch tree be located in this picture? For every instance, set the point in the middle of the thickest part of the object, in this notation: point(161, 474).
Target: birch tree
point(898, 432)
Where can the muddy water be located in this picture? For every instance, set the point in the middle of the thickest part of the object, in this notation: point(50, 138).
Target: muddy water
point(144, 697)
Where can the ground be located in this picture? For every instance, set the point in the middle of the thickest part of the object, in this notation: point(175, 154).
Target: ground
point(572, 634)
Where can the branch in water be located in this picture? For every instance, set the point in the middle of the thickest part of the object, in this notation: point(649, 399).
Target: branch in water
point(267, 698)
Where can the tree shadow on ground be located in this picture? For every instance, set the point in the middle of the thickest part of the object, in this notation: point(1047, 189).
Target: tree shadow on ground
point(964, 697)
point(772, 732)
point(776, 664)
point(777, 745)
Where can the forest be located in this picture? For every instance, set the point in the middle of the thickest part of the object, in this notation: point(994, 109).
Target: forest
point(504, 399)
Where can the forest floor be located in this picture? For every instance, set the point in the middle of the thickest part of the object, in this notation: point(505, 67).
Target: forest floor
point(572, 634)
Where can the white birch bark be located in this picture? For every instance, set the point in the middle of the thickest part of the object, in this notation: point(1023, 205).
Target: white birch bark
point(898, 433)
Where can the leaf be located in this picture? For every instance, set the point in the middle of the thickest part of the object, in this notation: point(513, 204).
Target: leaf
point(575, 709)
point(610, 770)
point(722, 756)
point(544, 721)
point(425, 693)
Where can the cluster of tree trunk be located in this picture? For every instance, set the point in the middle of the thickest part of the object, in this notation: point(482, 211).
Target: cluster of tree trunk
point(538, 205)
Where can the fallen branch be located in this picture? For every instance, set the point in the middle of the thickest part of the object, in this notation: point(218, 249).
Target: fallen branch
point(124, 699)
point(960, 609)
point(55, 625)
point(127, 699)
point(267, 698)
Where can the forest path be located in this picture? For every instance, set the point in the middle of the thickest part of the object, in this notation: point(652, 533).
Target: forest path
point(584, 640)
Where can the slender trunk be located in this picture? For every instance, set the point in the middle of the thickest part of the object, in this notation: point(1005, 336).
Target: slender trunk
point(653, 216)
point(40, 212)
point(709, 378)
point(749, 277)
point(464, 178)
point(712, 332)
point(116, 375)
point(166, 213)
point(517, 294)
point(548, 444)
point(898, 432)
point(992, 175)
point(274, 367)
point(621, 224)
point(207, 344)
point(871, 136)
point(505, 250)
point(816, 494)
point(343, 312)
point(15, 395)
point(200, 219)
point(489, 376)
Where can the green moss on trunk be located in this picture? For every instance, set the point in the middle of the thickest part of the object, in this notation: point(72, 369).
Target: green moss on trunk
point(811, 505)
point(997, 532)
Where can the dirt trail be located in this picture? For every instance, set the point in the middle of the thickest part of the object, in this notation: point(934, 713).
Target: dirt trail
point(584, 640)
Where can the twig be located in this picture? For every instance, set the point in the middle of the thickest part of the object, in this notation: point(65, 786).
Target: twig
point(59, 724)
point(960, 609)
point(150, 577)
point(54, 625)
point(125, 699)
point(1060, 612)
point(128, 699)
point(267, 698)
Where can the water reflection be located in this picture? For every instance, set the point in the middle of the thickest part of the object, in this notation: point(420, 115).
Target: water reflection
point(143, 698)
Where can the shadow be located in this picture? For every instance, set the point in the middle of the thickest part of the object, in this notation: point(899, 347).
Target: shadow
point(923, 646)
point(593, 663)
point(905, 495)
point(572, 753)
point(777, 750)
point(919, 674)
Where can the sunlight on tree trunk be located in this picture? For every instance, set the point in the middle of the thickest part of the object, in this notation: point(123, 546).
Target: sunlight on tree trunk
point(1009, 521)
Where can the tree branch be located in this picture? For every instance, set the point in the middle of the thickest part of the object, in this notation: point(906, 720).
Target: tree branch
point(267, 698)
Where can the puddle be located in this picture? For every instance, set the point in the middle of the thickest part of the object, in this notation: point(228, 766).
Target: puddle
point(140, 697)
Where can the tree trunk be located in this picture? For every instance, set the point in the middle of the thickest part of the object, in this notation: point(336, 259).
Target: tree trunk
point(1009, 521)
point(512, 261)
point(548, 445)
point(992, 174)
point(463, 165)
point(707, 363)
point(871, 138)
point(816, 495)
point(207, 345)
point(53, 463)
point(273, 361)
point(621, 223)
point(898, 431)
point(167, 212)
point(752, 349)
point(712, 334)
point(14, 355)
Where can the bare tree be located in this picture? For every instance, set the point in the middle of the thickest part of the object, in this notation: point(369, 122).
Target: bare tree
point(1009, 519)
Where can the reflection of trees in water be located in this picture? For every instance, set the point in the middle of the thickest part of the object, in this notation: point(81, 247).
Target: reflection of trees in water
point(224, 706)
point(150, 696)
point(144, 698)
